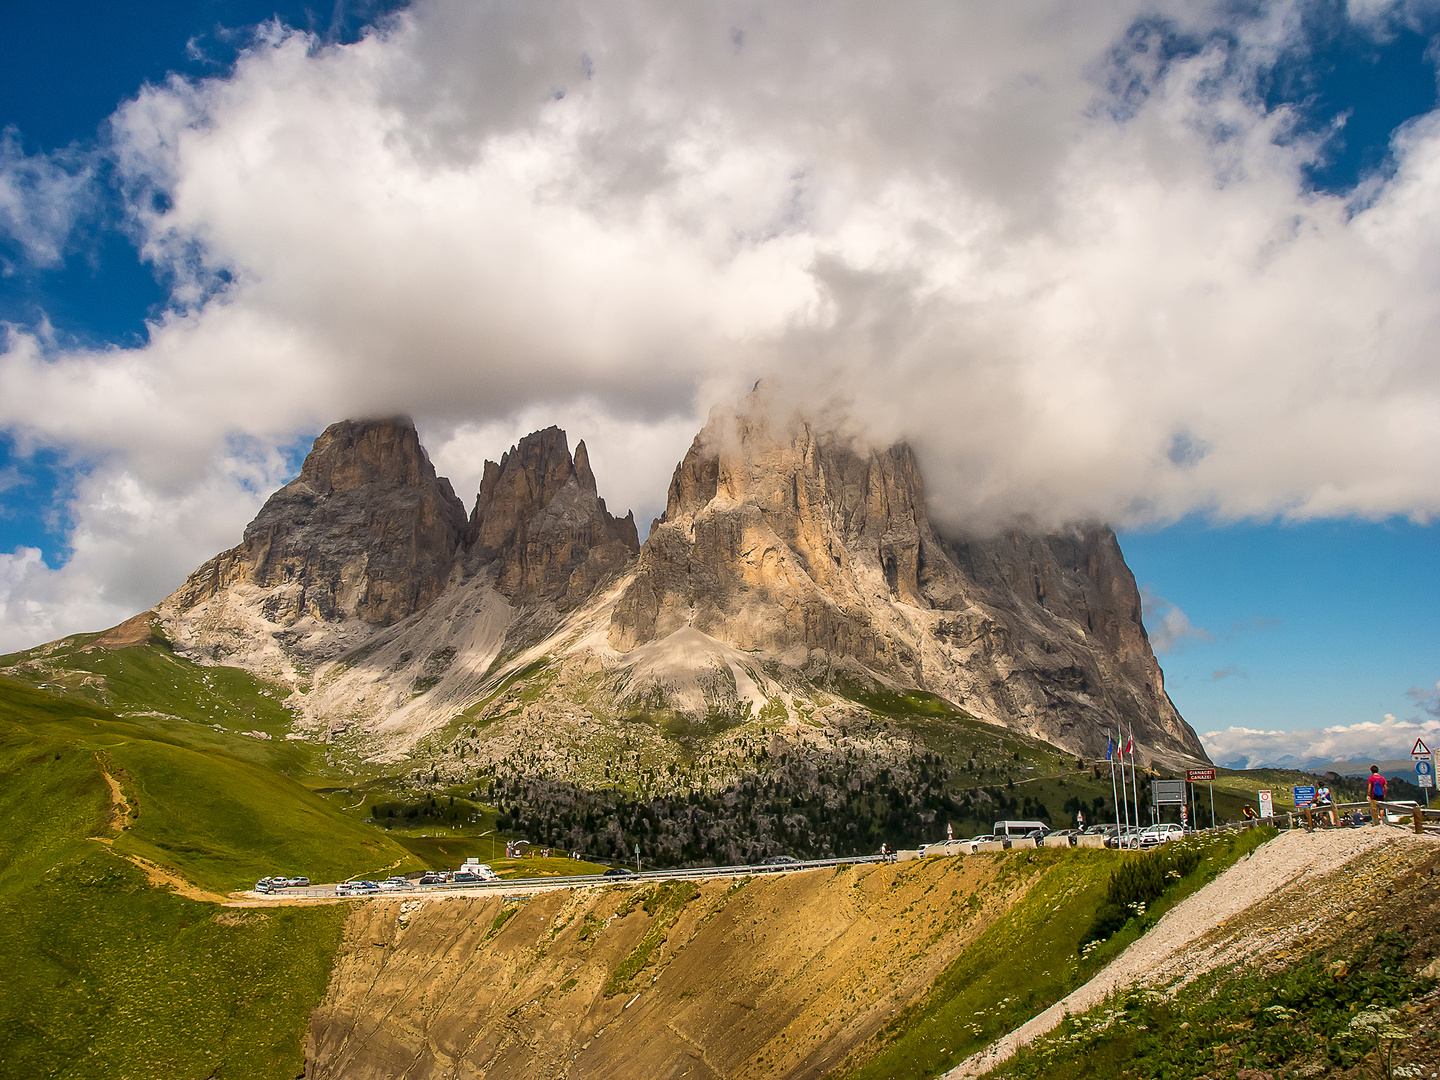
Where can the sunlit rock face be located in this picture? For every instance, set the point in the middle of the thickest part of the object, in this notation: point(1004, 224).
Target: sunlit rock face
point(806, 546)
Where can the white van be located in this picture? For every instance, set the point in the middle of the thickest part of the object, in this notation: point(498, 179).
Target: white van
point(1014, 830)
point(474, 870)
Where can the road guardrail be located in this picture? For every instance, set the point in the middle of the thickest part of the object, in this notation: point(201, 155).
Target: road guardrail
point(693, 874)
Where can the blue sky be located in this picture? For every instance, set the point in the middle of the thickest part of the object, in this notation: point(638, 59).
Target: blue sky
point(1295, 625)
point(216, 237)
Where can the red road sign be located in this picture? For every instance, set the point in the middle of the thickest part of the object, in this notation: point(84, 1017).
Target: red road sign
point(1199, 774)
point(1420, 749)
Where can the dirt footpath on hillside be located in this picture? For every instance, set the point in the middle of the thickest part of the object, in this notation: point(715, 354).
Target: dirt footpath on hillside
point(1299, 885)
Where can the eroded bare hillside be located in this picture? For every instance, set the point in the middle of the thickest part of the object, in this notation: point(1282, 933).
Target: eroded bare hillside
point(782, 976)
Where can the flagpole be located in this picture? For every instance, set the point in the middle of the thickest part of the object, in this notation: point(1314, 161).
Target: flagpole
point(1114, 795)
point(1124, 793)
point(1134, 780)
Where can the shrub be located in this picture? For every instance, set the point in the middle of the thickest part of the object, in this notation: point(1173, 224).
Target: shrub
point(1140, 879)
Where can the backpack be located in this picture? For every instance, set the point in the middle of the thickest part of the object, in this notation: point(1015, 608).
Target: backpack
point(1377, 786)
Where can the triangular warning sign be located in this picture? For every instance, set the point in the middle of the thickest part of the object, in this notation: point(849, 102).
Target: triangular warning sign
point(1420, 750)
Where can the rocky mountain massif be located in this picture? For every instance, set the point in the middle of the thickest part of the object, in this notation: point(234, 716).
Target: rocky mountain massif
point(795, 586)
point(780, 542)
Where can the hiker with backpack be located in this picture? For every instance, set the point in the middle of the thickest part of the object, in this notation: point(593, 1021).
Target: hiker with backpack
point(1375, 788)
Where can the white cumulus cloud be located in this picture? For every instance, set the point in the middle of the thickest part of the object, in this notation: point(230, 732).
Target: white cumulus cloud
point(1384, 740)
point(1084, 274)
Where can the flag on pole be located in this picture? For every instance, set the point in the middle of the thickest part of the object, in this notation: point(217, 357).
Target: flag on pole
point(1109, 747)
point(1130, 745)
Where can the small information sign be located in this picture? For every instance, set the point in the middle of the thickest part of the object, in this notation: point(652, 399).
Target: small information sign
point(1424, 773)
point(1267, 804)
point(1304, 795)
point(1194, 775)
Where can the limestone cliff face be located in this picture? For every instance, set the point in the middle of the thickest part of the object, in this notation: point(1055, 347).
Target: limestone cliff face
point(539, 519)
point(366, 531)
point(362, 585)
point(780, 540)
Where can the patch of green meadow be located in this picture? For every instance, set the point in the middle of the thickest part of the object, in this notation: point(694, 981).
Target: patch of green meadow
point(1314, 1017)
point(107, 976)
point(218, 820)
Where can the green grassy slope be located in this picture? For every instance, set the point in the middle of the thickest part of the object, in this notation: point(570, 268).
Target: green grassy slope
point(106, 976)
point(207, 707)
point(215, 818)
point(1303, 1020)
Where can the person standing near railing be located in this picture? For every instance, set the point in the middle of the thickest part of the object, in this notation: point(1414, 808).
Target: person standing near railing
point(1375, 788)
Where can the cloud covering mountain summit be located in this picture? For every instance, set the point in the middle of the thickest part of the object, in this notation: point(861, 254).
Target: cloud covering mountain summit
point(1074, 260)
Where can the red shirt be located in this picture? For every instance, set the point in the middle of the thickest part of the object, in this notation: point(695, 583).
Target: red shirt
point(1377, 786)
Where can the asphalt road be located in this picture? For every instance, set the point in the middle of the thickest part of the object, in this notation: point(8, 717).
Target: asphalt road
point(527, 886)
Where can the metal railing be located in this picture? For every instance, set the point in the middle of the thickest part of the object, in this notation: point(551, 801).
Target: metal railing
point(1420, 819)
point(693, 874)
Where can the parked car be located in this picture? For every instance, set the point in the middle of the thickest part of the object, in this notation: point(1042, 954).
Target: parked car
point(299, 882)
point(265, 885)
point(617, 871)
point(1106, 831)
point(394, 884)
point(975, 841)
point(1128, 839)
point(1155, 835)
point(779, 860)
point(431, 877)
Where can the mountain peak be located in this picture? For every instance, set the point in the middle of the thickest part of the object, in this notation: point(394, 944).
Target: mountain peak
point(788, 540)
point(538, 517)
point(367, 531)
point(357, 453)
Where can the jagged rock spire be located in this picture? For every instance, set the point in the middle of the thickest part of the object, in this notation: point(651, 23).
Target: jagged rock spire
point(538, 518)
point(784, 540)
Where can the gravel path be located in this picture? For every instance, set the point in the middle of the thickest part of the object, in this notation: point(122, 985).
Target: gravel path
point(1291, 863)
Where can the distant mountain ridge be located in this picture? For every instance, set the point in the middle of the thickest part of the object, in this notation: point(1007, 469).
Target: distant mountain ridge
point(793, 576)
